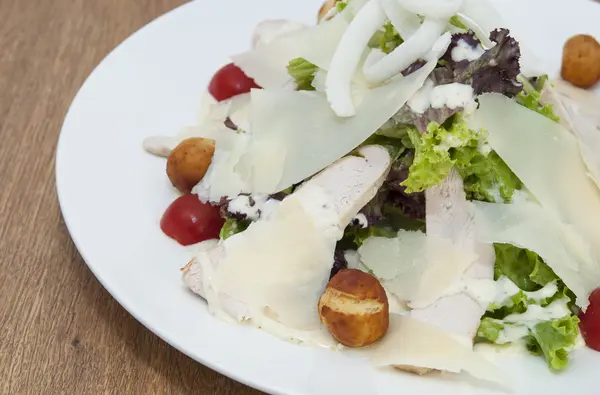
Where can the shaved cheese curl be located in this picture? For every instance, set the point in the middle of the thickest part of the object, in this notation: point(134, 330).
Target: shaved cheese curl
point(442, 9)
point(347, 56)
point(414, 48)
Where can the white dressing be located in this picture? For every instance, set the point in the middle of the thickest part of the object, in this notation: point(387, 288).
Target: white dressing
point(454, 95)
point(464, 51)
point(489, 292)
point(536, 314)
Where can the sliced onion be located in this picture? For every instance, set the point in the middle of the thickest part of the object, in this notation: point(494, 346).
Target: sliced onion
point(414, 48)
point(347, 57)
point(480, 33)
point(375, 56)
point(405, 22)
point(443, 9)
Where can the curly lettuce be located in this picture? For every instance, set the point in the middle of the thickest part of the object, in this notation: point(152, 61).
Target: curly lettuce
point(433, 161)
point(441, 148)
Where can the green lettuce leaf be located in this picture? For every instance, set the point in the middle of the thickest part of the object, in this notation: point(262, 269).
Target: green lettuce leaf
point(553, 340)
point(303, 72)
point(523, 267)
point(341, 6)
point(232, 226)
point(489, 330)
point(432, 161)
point(487, 177)
point(359, 235)
point(387, 39)
point(441, 148)
point(530, 97)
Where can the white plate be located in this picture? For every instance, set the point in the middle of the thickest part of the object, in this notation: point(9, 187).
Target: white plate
point(113, 194)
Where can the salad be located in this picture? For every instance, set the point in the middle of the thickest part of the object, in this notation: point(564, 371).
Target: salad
point(401, 179)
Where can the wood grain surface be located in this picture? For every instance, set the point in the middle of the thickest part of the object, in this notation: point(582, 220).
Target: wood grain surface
point(62, 333)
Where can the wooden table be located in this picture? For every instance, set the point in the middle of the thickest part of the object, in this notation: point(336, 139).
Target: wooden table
point(62, 333)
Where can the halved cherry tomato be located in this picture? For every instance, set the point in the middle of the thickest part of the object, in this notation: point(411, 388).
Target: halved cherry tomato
point(189, 221)
point(230, 81)
point(590, 322)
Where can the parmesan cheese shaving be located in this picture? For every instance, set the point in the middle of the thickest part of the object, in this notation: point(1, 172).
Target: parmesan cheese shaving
point(410, 342)
point(313, 137)
point(273, 29)
point(577, 110)
point(272, 274)
point(415, 267)
point(546, 157)
point(528, 225)
point(260, 270)
point(267, 64)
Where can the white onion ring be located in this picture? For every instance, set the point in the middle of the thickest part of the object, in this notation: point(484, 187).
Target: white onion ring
point(414, 48)
point(443, 9)
point(405, 22)
point(347, 56)
point(480, 33)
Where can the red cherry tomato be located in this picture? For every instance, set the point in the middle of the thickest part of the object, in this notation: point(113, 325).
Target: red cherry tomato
point(189, 221)
point(590, 322)
point(230, 81)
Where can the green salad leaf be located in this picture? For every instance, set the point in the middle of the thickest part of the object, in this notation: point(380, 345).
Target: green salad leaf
point(553, 340)
point(359, 235)
point(387, 39)
point(523, 267)
point(530, 97)
point(441, 148)
point(232, 226)
point(489, 330)
point(303, 72)
point(432, 161)
point(487, 177)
